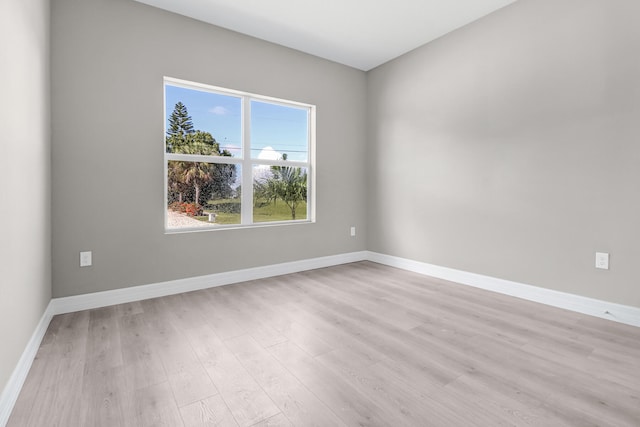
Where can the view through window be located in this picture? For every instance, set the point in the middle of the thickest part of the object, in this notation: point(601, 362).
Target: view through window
point(235, 159)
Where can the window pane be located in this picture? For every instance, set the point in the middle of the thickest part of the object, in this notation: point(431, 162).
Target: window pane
point(200, 122)
point(279, 132)
point(201, 194)
point(279, 193)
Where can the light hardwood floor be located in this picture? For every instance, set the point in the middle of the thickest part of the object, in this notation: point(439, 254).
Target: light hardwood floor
point(354, 345)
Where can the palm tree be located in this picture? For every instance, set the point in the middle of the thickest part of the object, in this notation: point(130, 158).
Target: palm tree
point(198, 174)
point(290, 185)
point(176, 182)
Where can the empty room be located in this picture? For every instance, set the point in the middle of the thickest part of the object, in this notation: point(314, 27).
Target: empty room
point(339, 213)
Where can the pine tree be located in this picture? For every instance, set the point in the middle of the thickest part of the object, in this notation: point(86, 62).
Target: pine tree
point(180, 122)
point(180, 125)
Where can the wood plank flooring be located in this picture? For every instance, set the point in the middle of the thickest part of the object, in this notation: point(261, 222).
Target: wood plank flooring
point(353, 345)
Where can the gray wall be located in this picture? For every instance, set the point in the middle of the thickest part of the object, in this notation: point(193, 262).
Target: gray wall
point(108, 60)
point(25, 242)
point(511, 148)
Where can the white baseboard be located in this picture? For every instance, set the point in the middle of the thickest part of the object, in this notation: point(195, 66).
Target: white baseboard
point(617, 312)
point(138, 293)
point(603, 309)
point(12, 389)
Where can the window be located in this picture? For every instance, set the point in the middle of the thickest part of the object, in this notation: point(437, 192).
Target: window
point(235, 159)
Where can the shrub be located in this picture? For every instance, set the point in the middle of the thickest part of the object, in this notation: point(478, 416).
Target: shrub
point(176, 206)
point(227, 207)
point(193, 209)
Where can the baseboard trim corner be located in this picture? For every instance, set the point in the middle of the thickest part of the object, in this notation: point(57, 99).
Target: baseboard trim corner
point(590, 306)
point(13, 387)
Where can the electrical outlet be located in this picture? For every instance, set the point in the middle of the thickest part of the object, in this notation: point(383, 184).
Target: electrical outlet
point(602, 260)
point(353, 231)
point(85, 259)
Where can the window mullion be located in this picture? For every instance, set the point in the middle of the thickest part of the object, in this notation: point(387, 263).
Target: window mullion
point(201, 158)
point(247, 170)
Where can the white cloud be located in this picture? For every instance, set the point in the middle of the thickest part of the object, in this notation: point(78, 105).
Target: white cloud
point(268, 153)
point(219, 110)
point(262, 172)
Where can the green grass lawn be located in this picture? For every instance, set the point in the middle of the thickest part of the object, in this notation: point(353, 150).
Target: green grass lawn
point(263, 213)
point(278, 212)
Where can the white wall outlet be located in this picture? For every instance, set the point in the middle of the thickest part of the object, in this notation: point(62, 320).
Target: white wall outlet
point(602, 260)
point(85, 259)
point(353, 231)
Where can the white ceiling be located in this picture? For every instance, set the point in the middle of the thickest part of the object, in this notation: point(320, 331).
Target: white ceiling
point(360, 33)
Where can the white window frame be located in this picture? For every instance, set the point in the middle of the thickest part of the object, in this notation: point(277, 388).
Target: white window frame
point(245, 161)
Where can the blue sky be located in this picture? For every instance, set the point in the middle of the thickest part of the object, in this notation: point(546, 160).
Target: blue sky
point(273, 127)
